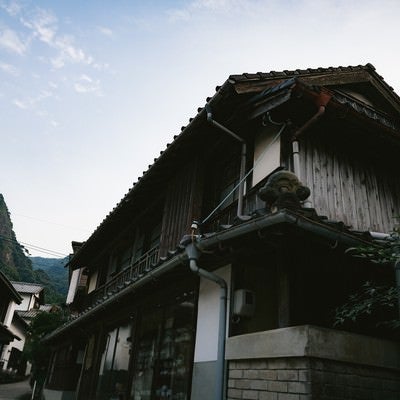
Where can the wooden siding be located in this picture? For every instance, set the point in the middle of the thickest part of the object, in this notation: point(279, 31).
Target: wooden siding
point(347, 188)
point(182, 205)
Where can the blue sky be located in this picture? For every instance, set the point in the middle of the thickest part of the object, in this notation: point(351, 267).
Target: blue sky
point(91, 91)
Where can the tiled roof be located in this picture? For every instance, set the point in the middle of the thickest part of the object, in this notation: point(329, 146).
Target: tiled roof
point(35, 311)
point(26, 287)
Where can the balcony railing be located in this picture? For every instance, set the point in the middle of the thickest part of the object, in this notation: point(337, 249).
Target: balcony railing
point(228, 215)
point(130, 274)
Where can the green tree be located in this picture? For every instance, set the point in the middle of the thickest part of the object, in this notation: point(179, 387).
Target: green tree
point(372, 299)
point(35, 350)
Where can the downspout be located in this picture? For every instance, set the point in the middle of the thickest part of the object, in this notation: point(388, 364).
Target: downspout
point(193, 255)
point(242, 157)
point(322, 101)
point(397, 276)
point(295, 140)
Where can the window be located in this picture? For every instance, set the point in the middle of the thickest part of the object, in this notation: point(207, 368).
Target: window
point(164, 352)
point(113, 374)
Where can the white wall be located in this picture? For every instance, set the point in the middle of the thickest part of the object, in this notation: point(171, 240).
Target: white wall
point(18, 344)
point(206, 344)
point(76, 273)
point(10, 313)
point(266, 159)
point(26, 302)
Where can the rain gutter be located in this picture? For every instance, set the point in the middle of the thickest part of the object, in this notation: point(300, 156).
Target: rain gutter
point(208, 242)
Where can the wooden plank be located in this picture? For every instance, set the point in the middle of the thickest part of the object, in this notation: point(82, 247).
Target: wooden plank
point(347, 189)
point(361, 196)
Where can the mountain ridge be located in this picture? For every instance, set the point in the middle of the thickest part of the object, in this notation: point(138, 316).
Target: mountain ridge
point(17, 266)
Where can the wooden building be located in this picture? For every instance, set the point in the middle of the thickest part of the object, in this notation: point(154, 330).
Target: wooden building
point(145, 326)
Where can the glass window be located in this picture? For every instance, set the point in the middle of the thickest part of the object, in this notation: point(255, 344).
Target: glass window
point(165, 349)
point(113, 374)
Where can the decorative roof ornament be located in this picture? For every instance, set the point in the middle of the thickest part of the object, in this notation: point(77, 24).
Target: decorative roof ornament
point(283, 190)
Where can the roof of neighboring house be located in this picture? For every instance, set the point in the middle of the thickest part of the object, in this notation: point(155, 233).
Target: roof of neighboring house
point(26, 287)
point(8, 287)
point(35, 311)
point(310, 80)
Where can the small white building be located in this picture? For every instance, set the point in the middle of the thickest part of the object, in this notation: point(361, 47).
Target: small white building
point(18, 319)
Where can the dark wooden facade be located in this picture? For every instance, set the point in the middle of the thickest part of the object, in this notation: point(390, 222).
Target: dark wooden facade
point(352, 183)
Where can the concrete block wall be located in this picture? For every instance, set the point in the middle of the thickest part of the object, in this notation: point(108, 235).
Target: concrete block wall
point(304, 378)
point(338, 380)
point(309, 362)
point(269, 379)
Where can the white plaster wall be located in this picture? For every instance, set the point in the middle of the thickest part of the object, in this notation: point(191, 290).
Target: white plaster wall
point(10, 314)
point(25, 304)
point(73, 285)
point(266, 159)
point(206, 344)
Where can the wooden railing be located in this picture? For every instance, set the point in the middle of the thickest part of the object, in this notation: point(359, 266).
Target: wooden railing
point(130, 274)
point(140, 267)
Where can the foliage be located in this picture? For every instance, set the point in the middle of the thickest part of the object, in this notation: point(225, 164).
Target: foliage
point(55, 270)
point(372, 299)
point(42, 324)
point(16, 266)
point(369, 300)
point(35, 350)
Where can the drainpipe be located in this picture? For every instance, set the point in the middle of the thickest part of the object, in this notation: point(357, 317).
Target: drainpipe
point(397, 275)
point(295, 140)
point(242, 157)
point(193, 255)
point(322, 101)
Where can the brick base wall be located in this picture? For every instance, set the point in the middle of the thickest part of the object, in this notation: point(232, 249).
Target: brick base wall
point(302, 378)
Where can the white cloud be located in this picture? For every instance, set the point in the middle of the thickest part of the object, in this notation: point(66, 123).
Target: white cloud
point(9, 69)
point(106, 31)
point(20, 104)
point(44, 27)
point(10, 41)
point(86, 84)
point(13, 7)
point(43, 24)
point(178, 15)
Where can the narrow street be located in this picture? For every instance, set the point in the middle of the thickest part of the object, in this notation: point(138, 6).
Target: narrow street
point(14, 391)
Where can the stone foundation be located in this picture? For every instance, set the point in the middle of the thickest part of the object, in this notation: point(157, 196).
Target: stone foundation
point(305, 376)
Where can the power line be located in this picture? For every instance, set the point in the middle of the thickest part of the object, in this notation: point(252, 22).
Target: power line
point(39, 249)
point(49, 222)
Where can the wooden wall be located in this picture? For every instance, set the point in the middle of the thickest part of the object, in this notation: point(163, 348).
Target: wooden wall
point(182, 205)
point(350, 188)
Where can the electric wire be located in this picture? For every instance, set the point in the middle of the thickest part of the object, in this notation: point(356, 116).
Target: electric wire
point(49, 222)
point(34, 247)
point(274, 139)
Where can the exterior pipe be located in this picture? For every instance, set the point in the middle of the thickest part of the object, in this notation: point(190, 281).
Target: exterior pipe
point(242, 157)
point(193, 255)
point(310, 122)
point(397, 276)
point(295, 145)
point(296, 158)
